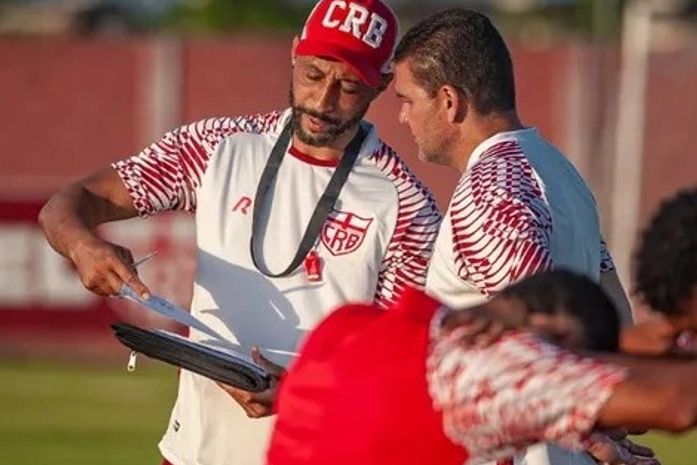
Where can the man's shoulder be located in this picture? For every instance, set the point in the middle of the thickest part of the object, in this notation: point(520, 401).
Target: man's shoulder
point(501, 173)
point(258, 123)
point(498, 163)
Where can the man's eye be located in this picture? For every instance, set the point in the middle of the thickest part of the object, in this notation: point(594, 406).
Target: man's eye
point(349, 90)
point(313, 77)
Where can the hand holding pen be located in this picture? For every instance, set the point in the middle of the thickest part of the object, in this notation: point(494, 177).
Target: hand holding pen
point(105, 267)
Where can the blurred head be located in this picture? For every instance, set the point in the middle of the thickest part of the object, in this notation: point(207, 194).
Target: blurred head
point(666, 261)
point(449, 65)
point(566, 307)
point(341, 63)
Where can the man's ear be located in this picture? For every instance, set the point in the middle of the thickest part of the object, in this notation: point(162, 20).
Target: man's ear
point(454, 102)
point(294, 45)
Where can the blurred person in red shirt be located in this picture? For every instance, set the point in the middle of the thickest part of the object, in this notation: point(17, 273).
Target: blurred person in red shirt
point(464, 389)
point(360, 394)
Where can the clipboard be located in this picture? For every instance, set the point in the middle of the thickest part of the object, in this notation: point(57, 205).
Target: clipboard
point(221, 364)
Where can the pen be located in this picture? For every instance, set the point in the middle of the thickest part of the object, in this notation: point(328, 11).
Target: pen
point(137, 263)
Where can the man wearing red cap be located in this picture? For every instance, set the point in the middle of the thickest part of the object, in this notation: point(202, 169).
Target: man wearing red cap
point(296, 212)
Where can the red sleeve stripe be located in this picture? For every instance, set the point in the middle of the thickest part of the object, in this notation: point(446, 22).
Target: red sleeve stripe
point(166, 175)
point(411, 245)
point(501, 223)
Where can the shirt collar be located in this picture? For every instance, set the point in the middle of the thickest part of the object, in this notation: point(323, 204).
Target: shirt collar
point(497, 138)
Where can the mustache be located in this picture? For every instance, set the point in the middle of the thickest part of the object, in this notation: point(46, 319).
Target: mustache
point(320, 116)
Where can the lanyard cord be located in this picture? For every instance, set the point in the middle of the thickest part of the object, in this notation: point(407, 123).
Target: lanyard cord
point(324, 206)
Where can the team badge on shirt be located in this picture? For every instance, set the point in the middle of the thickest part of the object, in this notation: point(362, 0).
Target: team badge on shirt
point(343, 232)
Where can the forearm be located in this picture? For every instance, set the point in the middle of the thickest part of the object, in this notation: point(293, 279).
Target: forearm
point(657, 394)
point(70, 216)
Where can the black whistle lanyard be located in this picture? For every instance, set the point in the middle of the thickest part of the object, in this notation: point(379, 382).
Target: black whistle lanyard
point(324, 206)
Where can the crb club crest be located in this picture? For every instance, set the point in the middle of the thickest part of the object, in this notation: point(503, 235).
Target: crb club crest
point(344, 232)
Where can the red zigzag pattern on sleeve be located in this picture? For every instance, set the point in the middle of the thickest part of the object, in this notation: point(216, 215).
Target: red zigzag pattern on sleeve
point(165, 175)
point(418, 218)
point(501, 223)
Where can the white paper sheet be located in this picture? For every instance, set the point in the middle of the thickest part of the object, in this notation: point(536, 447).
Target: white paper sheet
point(170, 310)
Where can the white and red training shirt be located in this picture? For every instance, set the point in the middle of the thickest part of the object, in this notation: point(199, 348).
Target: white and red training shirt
point(520, 207)
point(378, 240)
point(497, 401)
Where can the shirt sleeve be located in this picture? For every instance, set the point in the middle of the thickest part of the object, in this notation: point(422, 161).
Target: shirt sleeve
point(501, 223)
point(517, 392)
point(167, 174)
point(606, 262)
point(409, 251)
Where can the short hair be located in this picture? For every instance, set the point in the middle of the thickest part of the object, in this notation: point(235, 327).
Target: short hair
point(666, 261)
point(461, 48)
point(563, 291)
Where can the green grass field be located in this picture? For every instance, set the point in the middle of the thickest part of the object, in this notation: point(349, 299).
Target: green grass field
point(55, 413)
point(673, 450)
point(62, 414)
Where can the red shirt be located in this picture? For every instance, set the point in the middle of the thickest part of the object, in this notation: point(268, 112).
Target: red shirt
point(358, 393)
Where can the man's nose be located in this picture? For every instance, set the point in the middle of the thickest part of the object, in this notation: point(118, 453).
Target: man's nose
point(326, 98)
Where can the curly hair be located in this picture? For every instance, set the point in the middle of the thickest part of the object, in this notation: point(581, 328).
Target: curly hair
point(461, 48)
point(563, 291)
point(666, 261)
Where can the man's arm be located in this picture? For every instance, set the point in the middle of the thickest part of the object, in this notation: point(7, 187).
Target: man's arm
point(163, 176)
point(498, 400)
point(656, 394)
point(69, 220)
point(405, 262)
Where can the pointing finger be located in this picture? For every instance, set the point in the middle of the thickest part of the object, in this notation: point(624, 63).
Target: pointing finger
point(128, 276)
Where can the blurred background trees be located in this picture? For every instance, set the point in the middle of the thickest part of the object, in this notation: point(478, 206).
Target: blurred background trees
point(520, 18)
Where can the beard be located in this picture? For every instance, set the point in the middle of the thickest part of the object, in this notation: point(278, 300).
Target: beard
point(335, 128)
point(435, 156)
point(436, 143)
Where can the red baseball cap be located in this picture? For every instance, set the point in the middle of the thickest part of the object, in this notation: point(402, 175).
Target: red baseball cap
point(361, 33)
